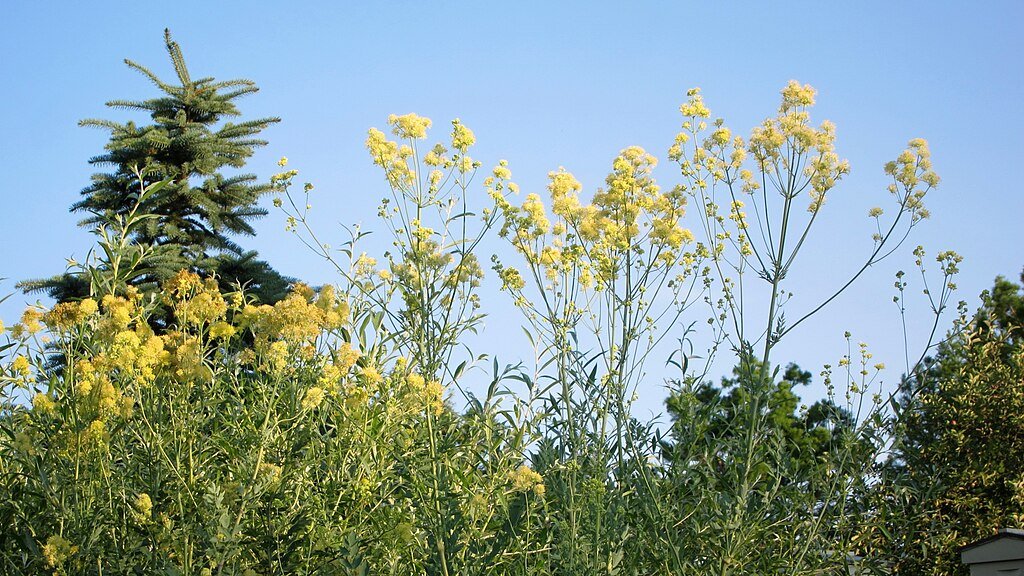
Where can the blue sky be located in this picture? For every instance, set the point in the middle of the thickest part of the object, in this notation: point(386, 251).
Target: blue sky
point(545, 85)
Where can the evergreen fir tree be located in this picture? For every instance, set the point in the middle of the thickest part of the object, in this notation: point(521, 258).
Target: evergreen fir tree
point(196, 215)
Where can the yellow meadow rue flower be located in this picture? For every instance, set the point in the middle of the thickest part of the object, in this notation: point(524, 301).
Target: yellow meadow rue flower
point(222, 330)
point(394, 159)
point(668, 232)
point(312, 398)
point(43, 404)
point(65, 315)
point(85, 371)
point(151, 356)
point(437, 156)
point(345, 357)
point(183, 285)
point(88, 307)
point(276, 356)
point(186, 358)
point(133, 357)
point(433, 397)
point(525, 479)
point(363, 489)
point(95, 435)
point(366, 265)
point(2, 328)
point(796, 96)
point(297, 318)
point(511, 279)
point(501, 170)
point(30, 320)
point(913, 177)
point(304, 290)
point(330, 378)
point(119, 311)
point(236, 300)
point(411, 126)
point(333, 310)
point(105, 395)
point(57, 550)
point(415, 381)
point(195, 301)
point(143, 506)
point(21, 366)
point(126, 407)
point(695, 107)
point(467, 272)
point(550, 256)
point(204, 308)
point(462, 137)
point(381, 149)
point(123, 351)
point(371, 375)
point(564, 188)
point(270, 473)
point(537, 220)
point(356, 396)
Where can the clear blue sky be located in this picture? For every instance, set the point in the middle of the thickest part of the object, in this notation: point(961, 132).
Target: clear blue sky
point(544, 85)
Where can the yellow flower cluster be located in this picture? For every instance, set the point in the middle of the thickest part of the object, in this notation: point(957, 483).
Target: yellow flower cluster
point(187, 357)
point(588, 244)
point(784, 146)
point(371, 375)
point(564, 189)
point(409, 126)
point(57, 550)
point(462, 137)
point(695, 107)
point(394, 159)
point(913, 177)
point(119, 312)
point(30, 323)
point(299, 318)
point(270, 473)
point(66, 315)
point(21, 366)
point(143, 506)
point(468, 271)
point(796, 96)
point(525, 479)
point(43, 404)
point(313, 398)
point(428, 395)
point(345, 357)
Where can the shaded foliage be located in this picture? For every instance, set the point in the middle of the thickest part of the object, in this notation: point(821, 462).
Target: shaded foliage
point(956, 472)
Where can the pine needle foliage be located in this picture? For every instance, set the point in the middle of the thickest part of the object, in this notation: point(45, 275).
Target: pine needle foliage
point(191, 142)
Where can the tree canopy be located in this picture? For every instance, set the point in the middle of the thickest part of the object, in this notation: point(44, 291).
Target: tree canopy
point(957, 468)
point(196, 217)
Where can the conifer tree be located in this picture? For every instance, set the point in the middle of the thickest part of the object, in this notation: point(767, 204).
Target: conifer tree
point(201, 209)
point(803, 435)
